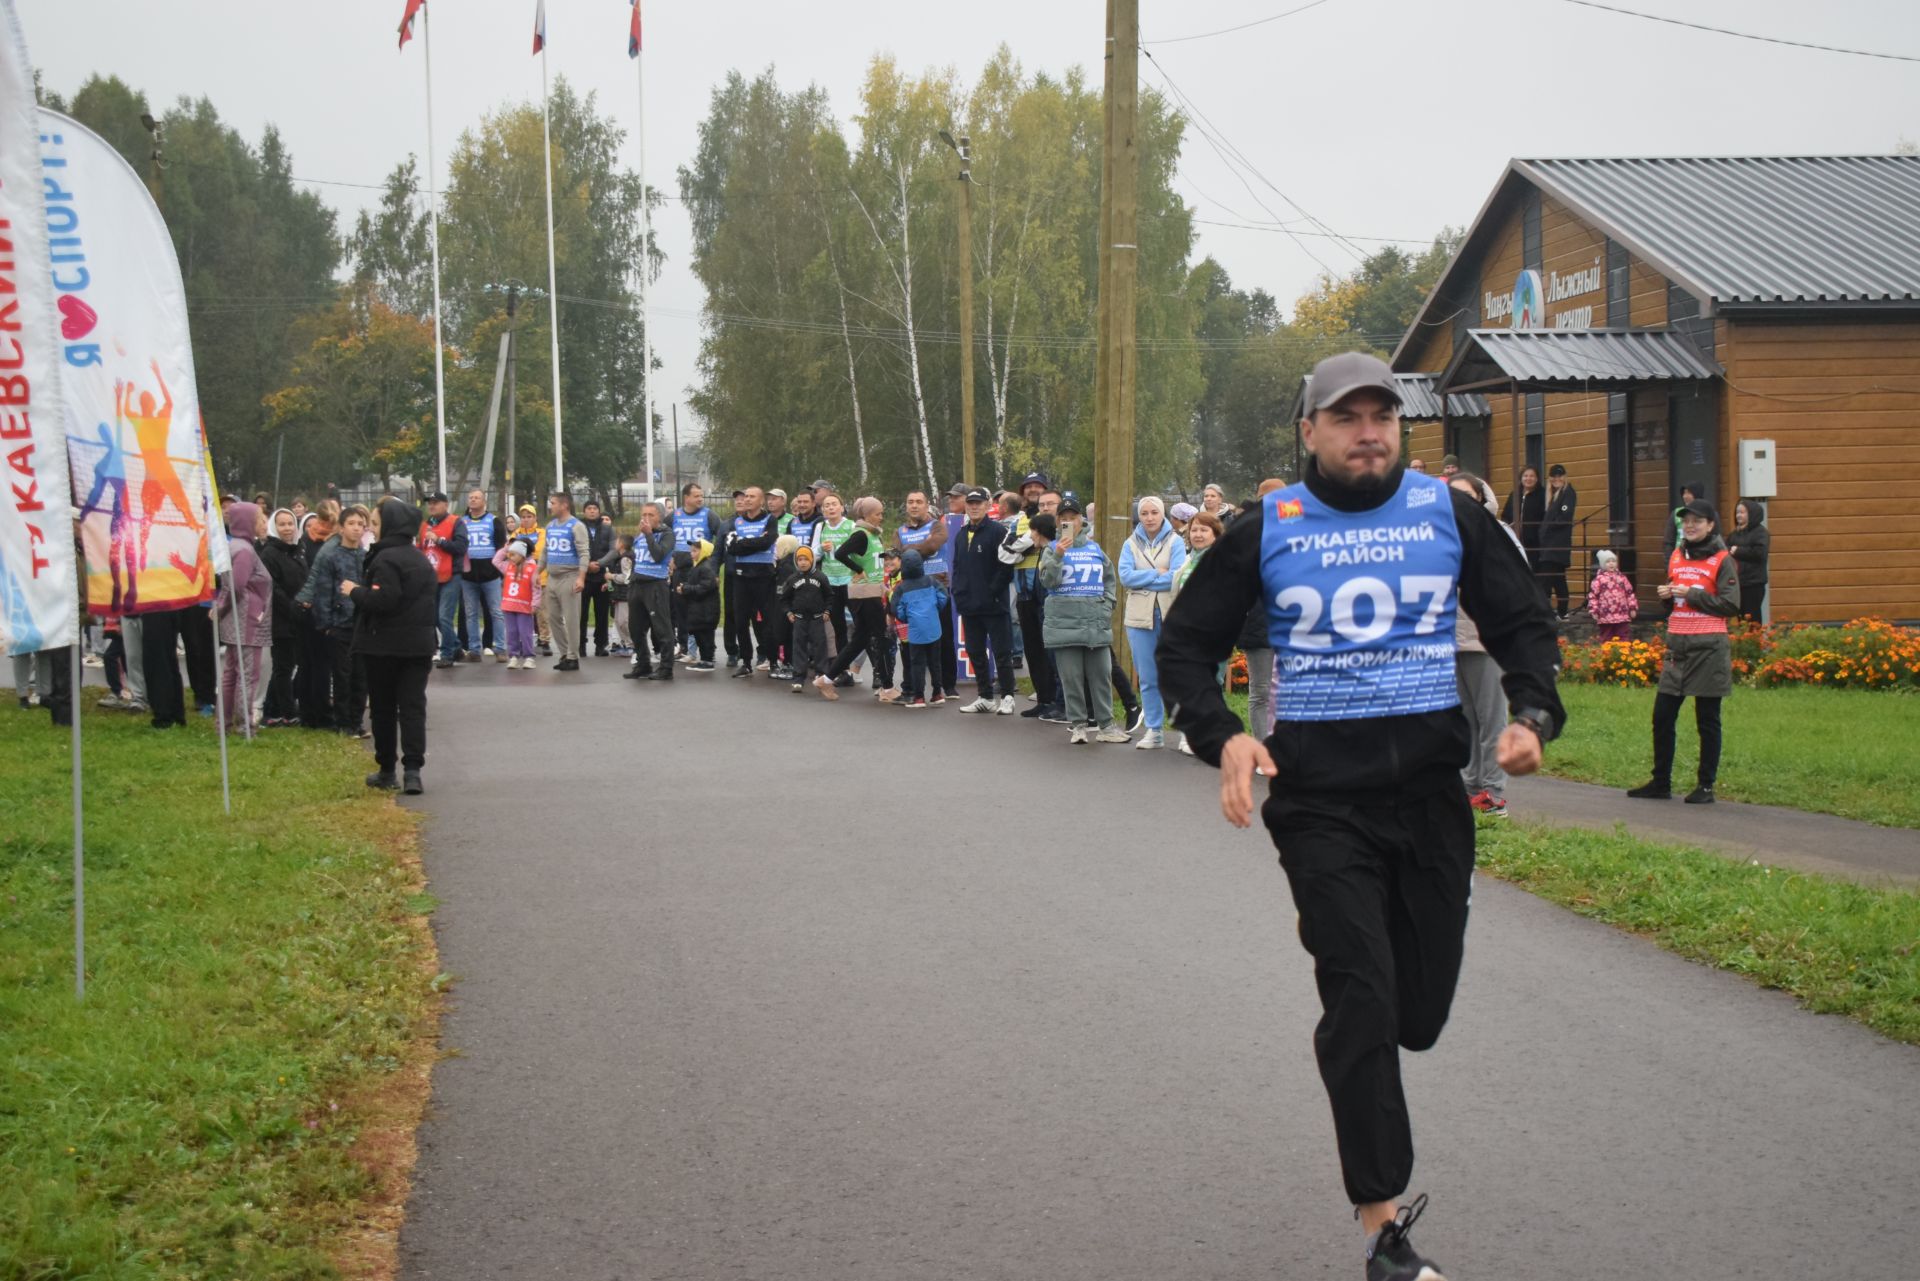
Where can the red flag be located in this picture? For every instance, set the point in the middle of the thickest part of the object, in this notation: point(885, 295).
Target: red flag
point(633, 32)
point(406, 21)
point(540, 26)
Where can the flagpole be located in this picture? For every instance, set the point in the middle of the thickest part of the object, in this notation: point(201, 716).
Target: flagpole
point(79, 833)
point(220, 713)
point(433, 212)
point(646, 237)
point(240, 661)
point(553, 289)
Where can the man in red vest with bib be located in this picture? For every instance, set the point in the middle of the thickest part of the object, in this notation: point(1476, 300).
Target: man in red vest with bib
point(1703, 583)
point(443, 541)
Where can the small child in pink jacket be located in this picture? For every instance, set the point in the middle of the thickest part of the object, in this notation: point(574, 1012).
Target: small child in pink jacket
point(520, 600)
point(1611, 601)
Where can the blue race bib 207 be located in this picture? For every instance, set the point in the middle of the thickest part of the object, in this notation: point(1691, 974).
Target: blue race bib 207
point(1361, 605)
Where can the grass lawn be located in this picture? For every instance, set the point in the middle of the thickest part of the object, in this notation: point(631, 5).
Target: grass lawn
point(1833, 751)
point(236, 1095)
point(1840, 948)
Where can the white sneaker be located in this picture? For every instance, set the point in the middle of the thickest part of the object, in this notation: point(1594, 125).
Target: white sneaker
point(513, 664)
point(1151, 741)
point(92, 660)
point(1113, 734)
point(1006, 706)
point(981, 704)
point(113, 703)
point(1079, 734)
point(488, 651)
point(1186, 748)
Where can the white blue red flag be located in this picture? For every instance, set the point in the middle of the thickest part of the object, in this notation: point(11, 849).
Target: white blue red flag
point(633, 32)
point(540, 26)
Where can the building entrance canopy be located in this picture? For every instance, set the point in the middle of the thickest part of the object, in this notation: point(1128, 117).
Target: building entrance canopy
point(1573, 360)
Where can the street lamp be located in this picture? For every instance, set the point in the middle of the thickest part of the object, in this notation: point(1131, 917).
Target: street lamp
point(963, 149)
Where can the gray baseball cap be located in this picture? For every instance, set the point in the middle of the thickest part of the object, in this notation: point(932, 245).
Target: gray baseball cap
point(1340, 376)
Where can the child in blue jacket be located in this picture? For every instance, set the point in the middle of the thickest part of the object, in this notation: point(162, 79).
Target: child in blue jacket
point(921, 603)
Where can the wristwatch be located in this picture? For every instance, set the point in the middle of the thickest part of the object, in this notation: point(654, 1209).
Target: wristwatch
point(1537, 720)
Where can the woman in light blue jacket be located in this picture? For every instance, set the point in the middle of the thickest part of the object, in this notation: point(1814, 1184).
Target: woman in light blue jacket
point(1148, 563)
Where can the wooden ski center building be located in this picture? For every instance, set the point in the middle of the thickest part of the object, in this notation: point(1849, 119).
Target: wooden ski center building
point(1750, 324)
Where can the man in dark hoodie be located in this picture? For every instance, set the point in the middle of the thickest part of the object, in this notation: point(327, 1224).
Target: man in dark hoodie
point(394, 629)
point(1703, 583)
point(1362, 566)
point(649, 600)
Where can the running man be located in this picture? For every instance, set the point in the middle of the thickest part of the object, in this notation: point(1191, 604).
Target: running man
point(151, 428)
point(1361, 566)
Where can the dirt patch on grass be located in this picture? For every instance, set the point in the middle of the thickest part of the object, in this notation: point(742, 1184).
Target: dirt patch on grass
point(388, 1115)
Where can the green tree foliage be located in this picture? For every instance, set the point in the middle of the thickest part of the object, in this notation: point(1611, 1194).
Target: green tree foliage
point(1378, 300)
point(493, 228)
point(256, 253)
point(830, 261)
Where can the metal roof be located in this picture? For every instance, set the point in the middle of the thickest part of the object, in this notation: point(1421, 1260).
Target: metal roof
point(1756, 230)
point(1575, 359)
point(1419, 399)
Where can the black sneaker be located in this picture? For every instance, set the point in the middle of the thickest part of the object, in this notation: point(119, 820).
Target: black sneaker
point(844, 680)
point(1390, 1257)
point(1702, 795)
point(1136, 717)
point(1652, 790)
point(383, 780)
point(1033, 713)
point(739, 671)
point(1054, 715)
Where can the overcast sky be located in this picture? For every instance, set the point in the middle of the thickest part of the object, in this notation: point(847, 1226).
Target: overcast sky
point(1383, 118)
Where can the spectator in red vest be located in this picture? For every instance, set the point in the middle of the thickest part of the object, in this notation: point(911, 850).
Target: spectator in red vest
point(443, 541)
point(1703, 584)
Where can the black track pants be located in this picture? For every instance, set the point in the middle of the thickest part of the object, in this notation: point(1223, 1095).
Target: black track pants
point(1382, 888)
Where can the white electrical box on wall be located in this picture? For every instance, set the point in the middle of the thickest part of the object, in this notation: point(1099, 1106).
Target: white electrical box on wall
point(1756, 469)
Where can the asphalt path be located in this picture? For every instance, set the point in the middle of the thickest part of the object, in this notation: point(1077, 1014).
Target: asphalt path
point(753, 986)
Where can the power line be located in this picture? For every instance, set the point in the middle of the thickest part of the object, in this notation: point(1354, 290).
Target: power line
point(1251, 224)
point(1257, 22)
point(1744, 35)
point(1204, 123)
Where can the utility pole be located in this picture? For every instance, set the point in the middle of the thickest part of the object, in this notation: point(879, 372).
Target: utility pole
point(964, 149)
point(1117, 363)
point(514, 291)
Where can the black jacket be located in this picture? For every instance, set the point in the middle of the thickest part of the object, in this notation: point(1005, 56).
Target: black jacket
point(699, 586)
point(1374, 756)
point(806, 592)
point(1524, 511)
point(289, 574)
point(738, 545)
point(599, 549)
point(394, 611)
point(979, 578)
point(1556, 530)
point(1750, 547)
